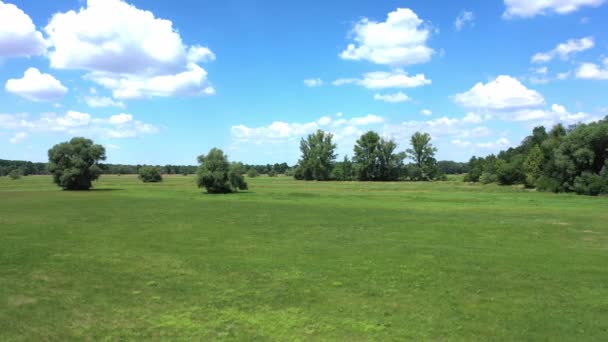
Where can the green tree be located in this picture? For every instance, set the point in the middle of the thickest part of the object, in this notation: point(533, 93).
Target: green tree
point(272, 173)
point(533, 166)
point(343, 171)
point(150, 174)
point(217, 175)
point(375, 159)
point(423, 154)
point(317, 157)
point(15, 174)
point(74, 164)
point(252, 173)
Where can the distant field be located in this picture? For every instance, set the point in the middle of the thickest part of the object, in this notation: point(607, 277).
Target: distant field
point(300, 261)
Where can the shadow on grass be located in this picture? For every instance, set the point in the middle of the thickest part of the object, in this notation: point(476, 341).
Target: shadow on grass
point(229, 193)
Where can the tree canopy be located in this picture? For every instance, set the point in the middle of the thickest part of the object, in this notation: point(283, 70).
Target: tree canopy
point(423, 154)
point(150, 174)
point(74, 164)
point(217, 175)
point(317, 157)
point(375, 158)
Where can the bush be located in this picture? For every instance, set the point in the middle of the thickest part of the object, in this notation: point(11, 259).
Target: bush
point(487, 178)
point(74, 164)
point(150, 174)
point(217, 175)
point(252, 173)
point(591, 184)
point(272, 173)
point(15, 174)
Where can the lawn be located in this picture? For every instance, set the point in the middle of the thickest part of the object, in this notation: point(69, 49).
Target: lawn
point(304, 261)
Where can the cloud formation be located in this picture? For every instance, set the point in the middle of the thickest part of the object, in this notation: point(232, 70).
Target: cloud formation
point(396, 78)
point(532, 8)
point(36, 86)
point(400, 40)
point(18, 35)
point(502, 93)
point(564, 50)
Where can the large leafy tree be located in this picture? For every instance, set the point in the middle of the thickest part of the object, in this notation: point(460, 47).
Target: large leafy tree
point(217, 175)
point(317, 158)
point(375, 159)
point(423, 154)
point(74, 164)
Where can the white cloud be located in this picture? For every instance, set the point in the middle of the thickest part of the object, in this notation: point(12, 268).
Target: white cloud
point(531, 8)
point(400, 40)
point(78, 123)
point(556, 114)
point(426, 112)
point(503, 93)
point(494, 145)
point(313, 82)
point(36, 86)
point(101, 101)
point(120, 119)
point(463, 18)
point(382, 80)
point(18, 137)
point(187, 83)
point(392, 98)
point(18, 35)
point(128, 51)
point(591, 71)
point(565, 50)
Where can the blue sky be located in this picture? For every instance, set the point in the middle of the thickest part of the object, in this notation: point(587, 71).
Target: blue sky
point(162, 82)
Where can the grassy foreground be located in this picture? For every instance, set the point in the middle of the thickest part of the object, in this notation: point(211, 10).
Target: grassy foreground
point(300, 261)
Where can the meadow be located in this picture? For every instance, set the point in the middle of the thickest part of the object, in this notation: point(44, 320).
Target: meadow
point(292, 260)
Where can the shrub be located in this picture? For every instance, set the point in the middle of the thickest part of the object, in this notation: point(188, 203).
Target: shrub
point(15, 174)
point(217, 175)
point(252, 173)
point(272, 173)
point(150, 174)
point(74, 164)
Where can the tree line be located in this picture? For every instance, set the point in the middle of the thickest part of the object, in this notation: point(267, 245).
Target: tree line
point(374, 159)
point(573, 159)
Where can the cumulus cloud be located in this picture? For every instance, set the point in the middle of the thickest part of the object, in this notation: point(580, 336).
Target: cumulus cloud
point(548, 117)
point(127, 50)
point(18, 35)
point(591, 71)
point(36, 86)
point(529, 8)
point(392, 98)
point(502, 93)
point(464, 18)
point(426, 112)
point(78, 123)
point(396, 78)
point(564, 50)
point(313, 82)
point(400, 40)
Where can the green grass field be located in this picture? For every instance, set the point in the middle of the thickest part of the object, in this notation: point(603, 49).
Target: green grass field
point(300, 261)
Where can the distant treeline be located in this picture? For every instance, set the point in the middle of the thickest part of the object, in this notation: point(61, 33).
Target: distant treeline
point(573, 159)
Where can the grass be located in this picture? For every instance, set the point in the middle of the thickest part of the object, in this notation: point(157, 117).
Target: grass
point(300, 261)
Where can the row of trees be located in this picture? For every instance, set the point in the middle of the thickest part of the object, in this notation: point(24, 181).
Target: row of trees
point(573, 159)
point(374, 159)
point(75, 164)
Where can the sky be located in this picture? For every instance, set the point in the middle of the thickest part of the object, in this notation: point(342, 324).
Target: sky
point(161, 82)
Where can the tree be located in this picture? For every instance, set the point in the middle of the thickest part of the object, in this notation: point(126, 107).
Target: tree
point(252, 173)
point(423, 154)
point(317, 157)
point(74, 164)
point(15, 174)
point(375, 158)
point(272, 173)
point(217, 175)
point(533, 166)
point(343, 171)
point(150, 174)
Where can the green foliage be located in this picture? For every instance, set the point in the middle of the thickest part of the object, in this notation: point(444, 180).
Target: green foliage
point(343, 171)
point(272, 173)
point(217, 175)
point(252, 173)
point(423, 154)
point(150, 174)
point(15, 174)
point(74, 164)
point(317, 157)
point(375, 159)
point(533, 166)
point(562, 160)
